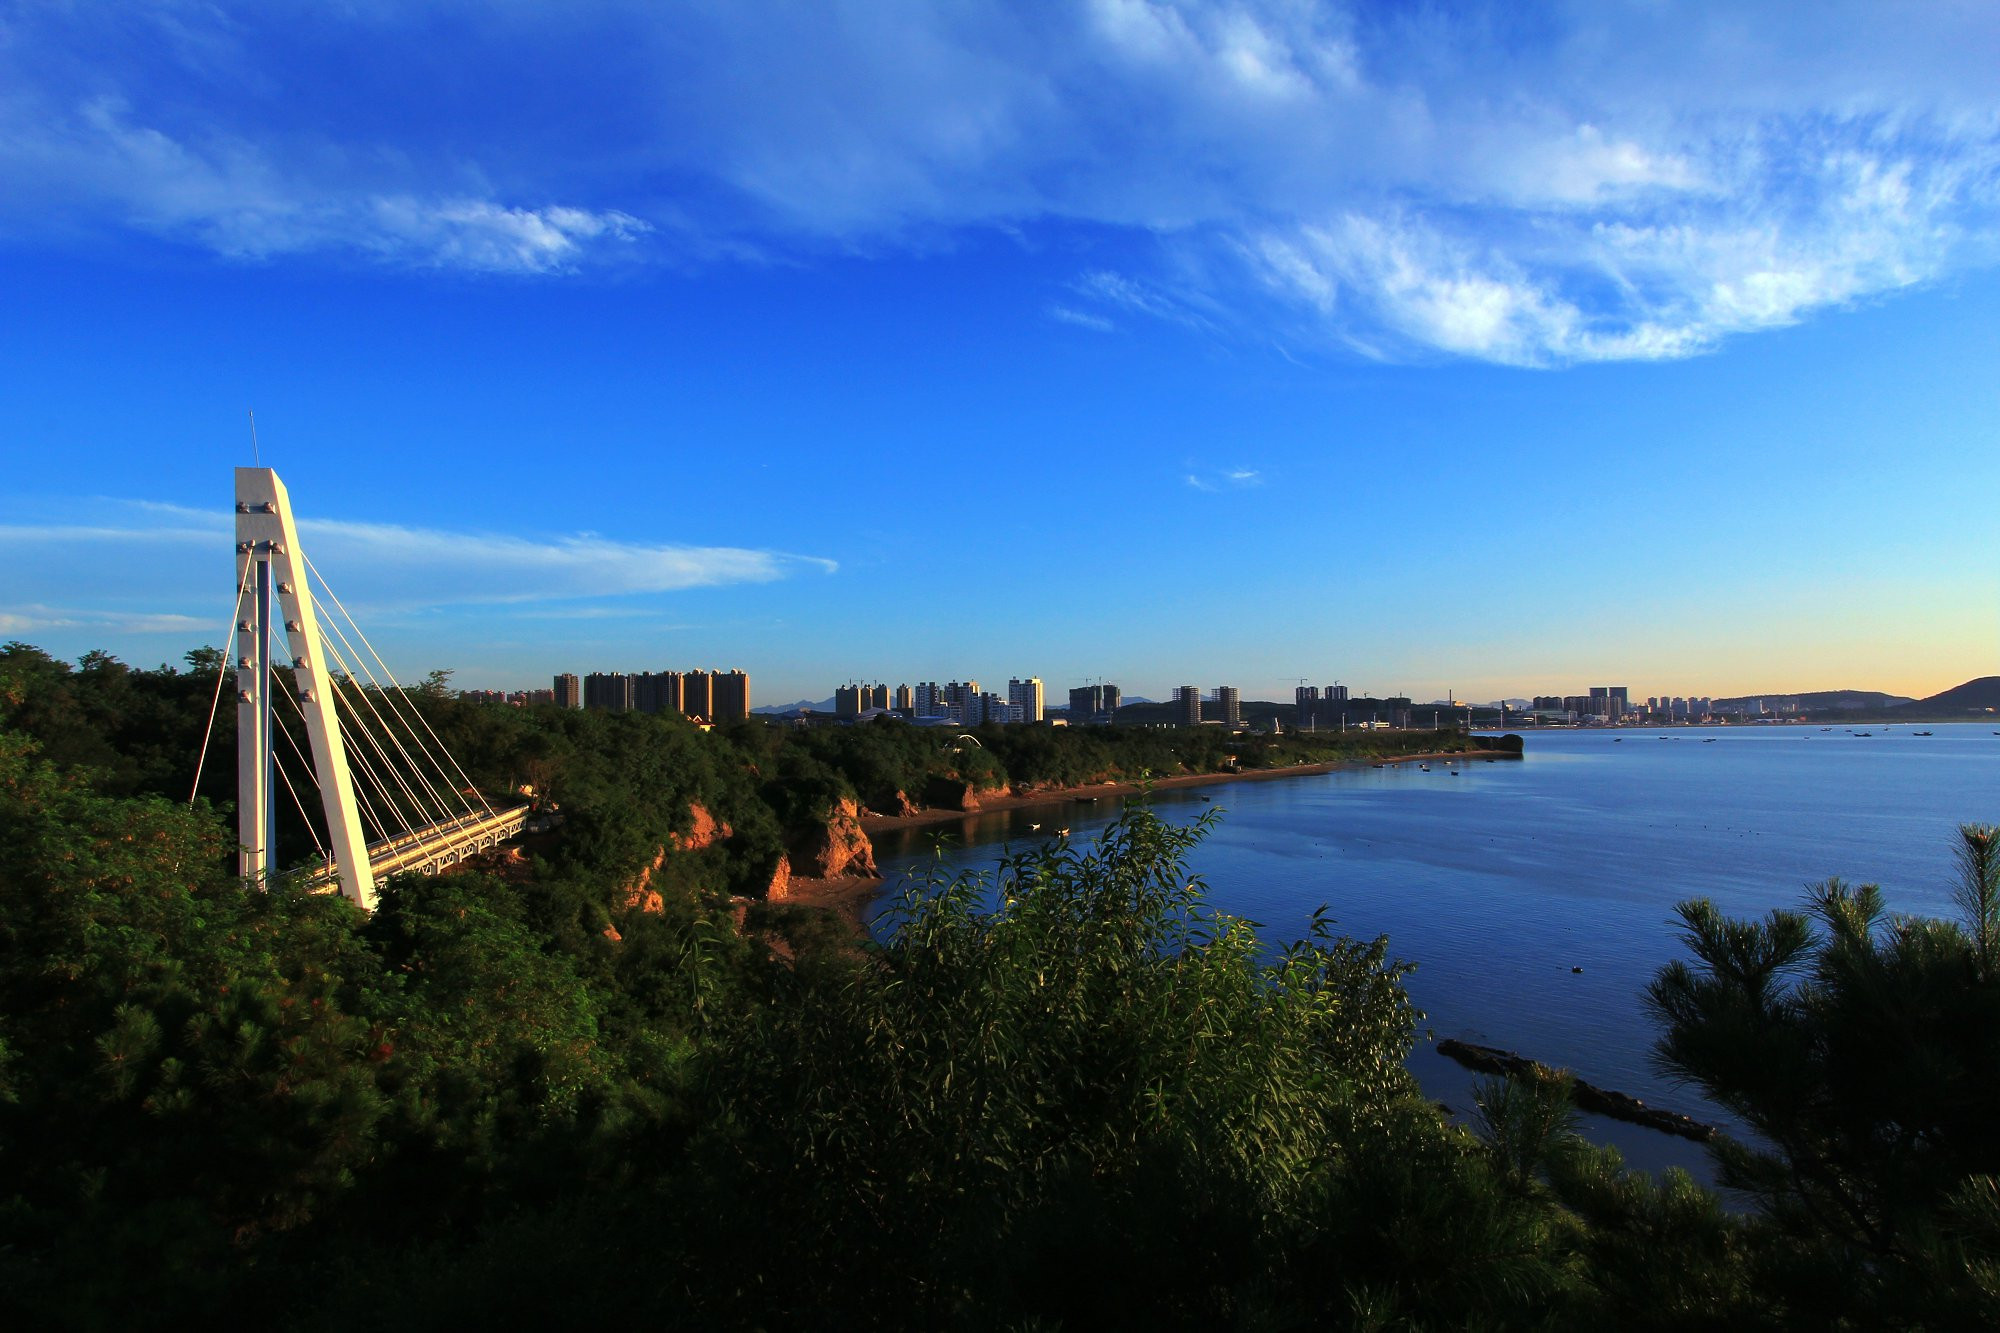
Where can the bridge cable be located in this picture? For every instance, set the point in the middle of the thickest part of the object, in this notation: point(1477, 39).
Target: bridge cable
point(311, 832)
point(354, 730)
point(360, 765)
point(367, 808)
point(320, 580)
point(221, 673)
point(418, 812)
point(387, 733)
point(416, 771)
point(286, 778)
point(405, 773)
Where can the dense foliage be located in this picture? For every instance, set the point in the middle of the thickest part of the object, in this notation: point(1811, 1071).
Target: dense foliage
point(1068, 1095)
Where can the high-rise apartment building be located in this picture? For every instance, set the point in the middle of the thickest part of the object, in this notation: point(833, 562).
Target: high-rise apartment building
point(853, 699)
point(1027, 696)
point(906, 700)
point(1229, 701)
point(698, 694)
point(963, 703)
point(1094, 705)
point(657, 692)
point(568, 691)
point(1187, 705)
point(611, 691)
point(729, 696)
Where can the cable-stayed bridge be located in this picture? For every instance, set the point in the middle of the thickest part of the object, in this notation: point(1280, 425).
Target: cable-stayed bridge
point(390, 797)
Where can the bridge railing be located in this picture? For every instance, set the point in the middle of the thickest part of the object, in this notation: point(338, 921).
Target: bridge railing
point(423, 847)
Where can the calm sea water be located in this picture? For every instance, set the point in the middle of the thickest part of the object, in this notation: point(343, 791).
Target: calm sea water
point(1497, 879)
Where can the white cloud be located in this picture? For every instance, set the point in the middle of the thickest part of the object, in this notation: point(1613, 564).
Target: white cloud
point(241, 200)
point(1229, 479)
point(1572, 182)
point(34, 618)
point(1082, 319)
point(479, 568)
point(380, 567)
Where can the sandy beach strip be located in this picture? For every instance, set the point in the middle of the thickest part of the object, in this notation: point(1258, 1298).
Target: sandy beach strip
point(1054, 796)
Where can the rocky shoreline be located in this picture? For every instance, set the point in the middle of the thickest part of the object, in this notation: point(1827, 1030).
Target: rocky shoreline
point(1587, 1096)
point(982, 802)
point(847, 884)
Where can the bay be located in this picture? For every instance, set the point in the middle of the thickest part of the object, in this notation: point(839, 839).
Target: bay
point(1498, 879)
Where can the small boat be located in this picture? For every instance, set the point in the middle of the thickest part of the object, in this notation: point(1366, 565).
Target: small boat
point(1864, 733)
point(1423, 768)
point(1920, 733)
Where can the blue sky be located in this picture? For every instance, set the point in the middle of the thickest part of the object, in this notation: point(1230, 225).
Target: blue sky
point(1503, 349)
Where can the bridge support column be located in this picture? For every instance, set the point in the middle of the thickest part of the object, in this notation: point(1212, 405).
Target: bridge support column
point(272, 578)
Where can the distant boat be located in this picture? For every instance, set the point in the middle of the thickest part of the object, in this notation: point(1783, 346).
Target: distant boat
point(1920, 733)
point(1423, 768)
point(1864, 733)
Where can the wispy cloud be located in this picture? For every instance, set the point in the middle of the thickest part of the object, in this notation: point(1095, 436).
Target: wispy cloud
point(1569, 184)
point(245, 200)
point(1232, 479)
point(35, 618)
point(1067, 315)
point(383, 568)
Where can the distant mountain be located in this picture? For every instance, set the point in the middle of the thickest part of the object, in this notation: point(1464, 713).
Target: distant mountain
point(1816, 700)
point(1975, 695)
point(822, 706)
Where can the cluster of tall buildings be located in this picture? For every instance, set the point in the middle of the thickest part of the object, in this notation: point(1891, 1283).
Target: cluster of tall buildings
point(965, 703)
point(960, 702)
point(512, 698)
point(1334, 708)
point(1613, 703)
point(704, 696)
point(1228, 705)
point(1095, 704)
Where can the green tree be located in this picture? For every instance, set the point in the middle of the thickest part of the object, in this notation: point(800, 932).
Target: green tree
point(1863, 1049)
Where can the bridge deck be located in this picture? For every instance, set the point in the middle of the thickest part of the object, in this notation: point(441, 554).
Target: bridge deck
point(435, 845)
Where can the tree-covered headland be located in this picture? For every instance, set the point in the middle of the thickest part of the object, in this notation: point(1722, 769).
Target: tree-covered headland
point(1072, 1096)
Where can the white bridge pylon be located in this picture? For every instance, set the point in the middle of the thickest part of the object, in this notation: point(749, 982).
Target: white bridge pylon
point(278, 626)
point(272, 589)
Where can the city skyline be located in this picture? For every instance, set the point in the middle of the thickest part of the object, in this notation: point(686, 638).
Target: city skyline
point(1482, 353)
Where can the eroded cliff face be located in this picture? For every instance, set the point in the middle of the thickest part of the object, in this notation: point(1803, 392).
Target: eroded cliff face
point(839, 848)
point(780, 887)
point(956, 794)
point(707, 830)
point(704, 831)
point(898, 805)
